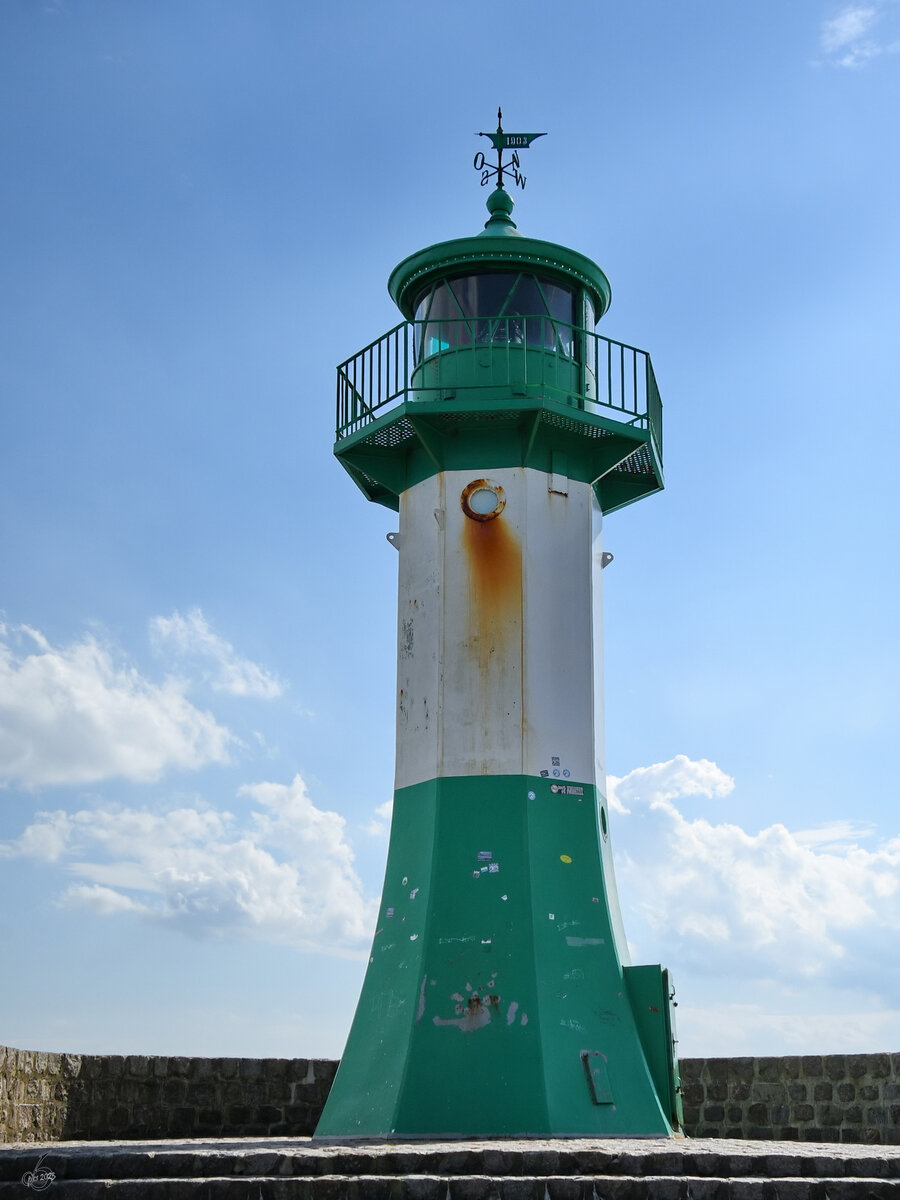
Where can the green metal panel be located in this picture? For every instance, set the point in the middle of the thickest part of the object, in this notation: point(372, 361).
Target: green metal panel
point(494, 969)
point(651, 994)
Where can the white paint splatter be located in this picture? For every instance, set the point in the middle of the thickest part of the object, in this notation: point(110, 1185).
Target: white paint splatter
point(511, 1011)
point(580, 941)
point(420, 1011)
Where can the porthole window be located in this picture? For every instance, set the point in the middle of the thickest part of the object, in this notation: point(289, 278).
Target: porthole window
point(482, 500)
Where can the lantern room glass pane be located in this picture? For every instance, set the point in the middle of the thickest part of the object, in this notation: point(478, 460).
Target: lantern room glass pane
point(497, 306)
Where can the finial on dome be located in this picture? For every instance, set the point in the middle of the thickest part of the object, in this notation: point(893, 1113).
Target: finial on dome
point(500, 205)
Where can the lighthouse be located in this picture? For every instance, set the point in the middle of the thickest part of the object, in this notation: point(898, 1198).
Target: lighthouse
point(499, 999)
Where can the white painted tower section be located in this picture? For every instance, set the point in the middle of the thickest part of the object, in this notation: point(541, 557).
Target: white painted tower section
point(499, 631)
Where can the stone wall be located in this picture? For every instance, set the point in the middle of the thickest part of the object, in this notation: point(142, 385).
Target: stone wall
point(814, 1098)
point(48, 1097)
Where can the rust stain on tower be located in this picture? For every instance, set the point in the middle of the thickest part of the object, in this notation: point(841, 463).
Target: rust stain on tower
point(494, 556)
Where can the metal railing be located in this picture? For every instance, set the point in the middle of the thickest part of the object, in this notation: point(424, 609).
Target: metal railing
point(537, 354)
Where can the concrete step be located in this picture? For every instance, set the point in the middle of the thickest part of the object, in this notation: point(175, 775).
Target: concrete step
point(526, 1169)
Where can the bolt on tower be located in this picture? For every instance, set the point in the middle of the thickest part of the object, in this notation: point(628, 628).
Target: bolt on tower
point(499, 999)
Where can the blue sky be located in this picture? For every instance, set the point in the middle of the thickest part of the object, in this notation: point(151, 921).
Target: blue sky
point(202, 202)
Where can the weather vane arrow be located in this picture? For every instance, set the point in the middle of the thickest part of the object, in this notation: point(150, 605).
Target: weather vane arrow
point(504, 141)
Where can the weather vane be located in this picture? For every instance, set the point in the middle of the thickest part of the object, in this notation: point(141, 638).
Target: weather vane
point(504, 141)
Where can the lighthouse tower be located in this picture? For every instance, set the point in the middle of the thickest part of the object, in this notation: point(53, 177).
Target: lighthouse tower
point(499, 999)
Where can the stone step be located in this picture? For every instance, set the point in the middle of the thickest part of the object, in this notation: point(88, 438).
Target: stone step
point(546, 1169)
point(469, 1187)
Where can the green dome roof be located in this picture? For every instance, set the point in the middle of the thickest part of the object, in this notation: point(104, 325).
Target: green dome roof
point(499, 247)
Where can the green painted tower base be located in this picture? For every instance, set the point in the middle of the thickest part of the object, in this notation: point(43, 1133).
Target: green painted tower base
point(494, 1004)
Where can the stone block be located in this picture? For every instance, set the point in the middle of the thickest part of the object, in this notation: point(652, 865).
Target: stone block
point(876, 1116)
point(210, 1117)
point(831, 1133)
point(758, 1114)
point(201, 1068)
point(872, 1137)
point(239, 1114)
point(717, 1070)
point(811, 1066)
point(789, 1133)
point(761, 1133)
point(829, 1114)
point(174, 1091)
point(691, 1068)
point(202, 1095)
point(180, 1122)
point(92, 1066)
point(693, 1093)
point(251, 1068)
point(867, 1091)
point(780, 1114)
point(159, 1066)
point(691, 1114)
point(772, 1070)
point(717, 1091)
point(276, 1068)
point(823, 1091)
point(137, 1065)
point(769, 1093)
point(853, 1114)
point(851, 1133)
point(880, 1066)
point(890, 1091)
point(735, 1114)
point(797, 1091)
point(114, 1066)
point(226, 1068)
point(119, 1116)
point(740, 1092)
point(233, 1092)
point(266, 1114)
point(846, 1092)
point(835, 1066)
point(857, 1065)
point(811, 1133)
point(714, 1112)
point(71, 1066)
point(179, 1066)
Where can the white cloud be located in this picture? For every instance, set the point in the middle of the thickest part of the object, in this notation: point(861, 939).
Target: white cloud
point(78, 714)
point(381, 822)
point(724, 1030)
point(847, 38)
point(720, 901)
point(191, 641)
point(285, 874)
point(680, 776)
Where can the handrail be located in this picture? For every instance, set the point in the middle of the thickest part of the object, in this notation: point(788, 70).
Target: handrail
point(537, 354)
